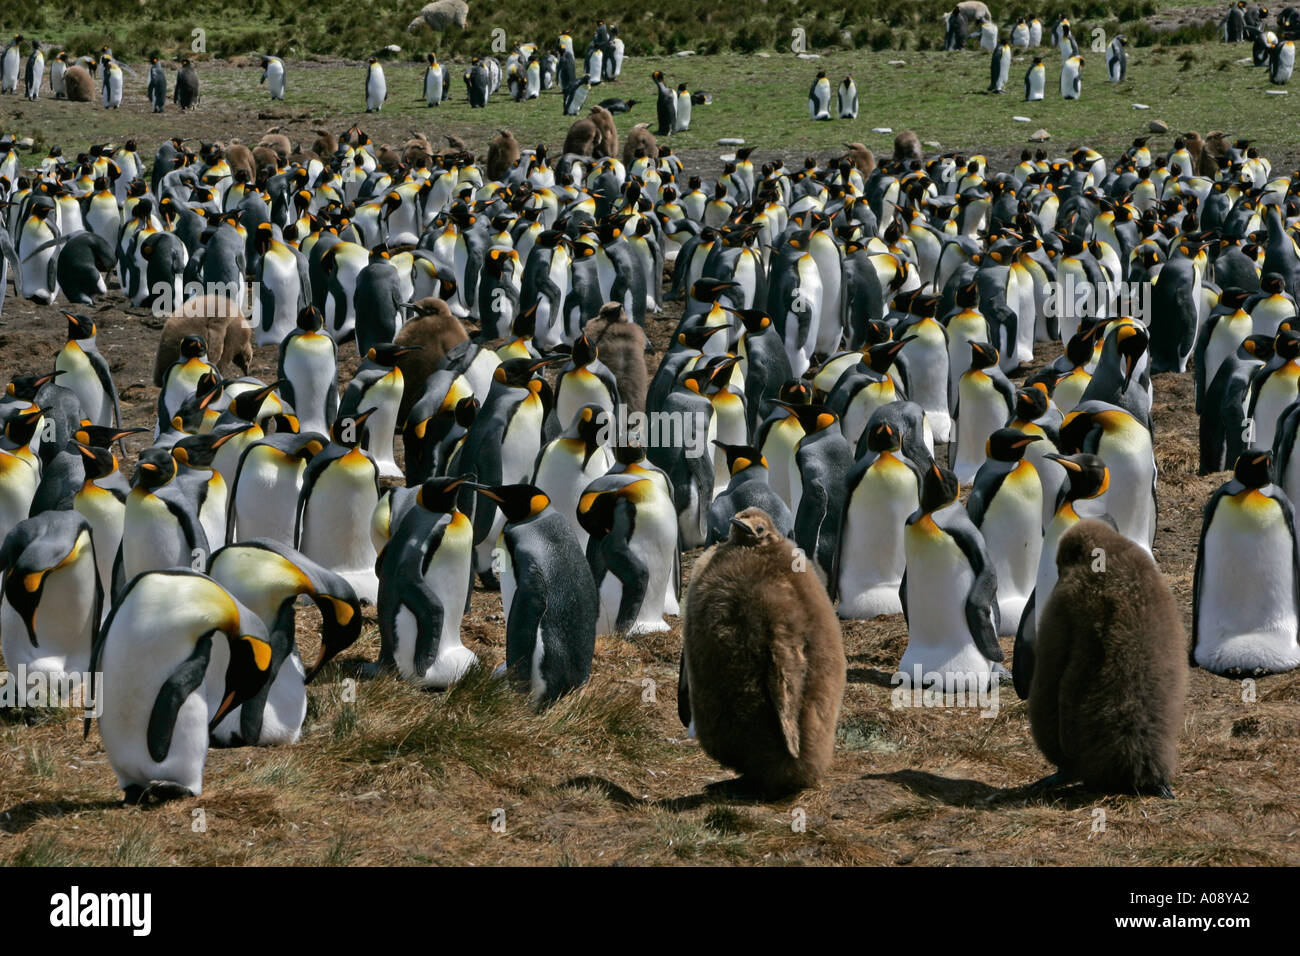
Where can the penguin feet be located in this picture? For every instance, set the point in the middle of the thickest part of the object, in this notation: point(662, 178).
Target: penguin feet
point(1001, 673)
point(158, 792)
point(1051, 782)
point(1161, 790)
point(738, 788)
point(489, 580)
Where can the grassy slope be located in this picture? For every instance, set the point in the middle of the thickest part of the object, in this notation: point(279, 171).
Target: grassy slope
point(400, 776)
point(762, 99)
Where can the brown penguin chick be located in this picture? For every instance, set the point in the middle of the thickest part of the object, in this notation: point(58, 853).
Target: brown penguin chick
point(239, 156)
point(583, 138)
point(763, 659)
point(622, 344)
point(78, 84)
point(640, 138)
point(604, 120)
point(907, 147)
point(503, 153)
point(275, 140)
point(862, 158)
point(417, 151)
point(1203, 164)
point(389, 159)
point(266, 158)
point(326, 145)
point(1218, 145)
point(218, 320)
point(456, 143)
point(435, 331)
point(1110, 668)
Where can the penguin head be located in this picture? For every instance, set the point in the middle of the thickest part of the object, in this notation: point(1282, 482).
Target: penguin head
point(881, 357)
point(883, 436)
point(26, 386)
point(198, 451)
point(97, 462)
point(753, 528)
point(1087, 475)
point(350, 431)
point(1272, 283)
point(1257, 346)
point(519, 372)
point(584, 351)
point(193, 347)
point(795, 391)
point(102, 436)
point(248, 670)
point(1254, 467)
point(21, 428)
point(517, 502)
point(1031, 402)
point(386, 354)
point(310, 319)
point(80, 327)
point(1008, 444)
point(740, 457)
point(1286, 344)
point(982, 355)
point(1131, 342)
point(939, 488)
point(258, 403)
point(155, 468)
point(813, 418)
point(440, 494)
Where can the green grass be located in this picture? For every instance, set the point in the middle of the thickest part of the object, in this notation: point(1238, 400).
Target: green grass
point(761, 99)
point(137, 28)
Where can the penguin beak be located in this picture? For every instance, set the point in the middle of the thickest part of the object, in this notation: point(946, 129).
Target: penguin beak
point(250, 665)
point(342, 627)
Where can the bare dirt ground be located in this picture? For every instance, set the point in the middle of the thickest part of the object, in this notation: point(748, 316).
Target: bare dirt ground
point(385, 774)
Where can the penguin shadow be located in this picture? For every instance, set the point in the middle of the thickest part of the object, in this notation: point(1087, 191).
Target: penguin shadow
point(977, 795)
point(723, 792)
point(871, 675)
point(23, 816)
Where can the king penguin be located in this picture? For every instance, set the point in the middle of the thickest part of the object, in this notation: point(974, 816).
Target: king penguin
point(1035, 80)
point(846, 99)
point(819, 97)
point(377, 387)
point(376, 86)
point(86, 373)
point(268, 577)
point(1072, 78)
point(949, 593)
point(883, 491)
point(1246, 596)
point(1006, 505)
point(50, 594)
point(152, 658)
point(340, 489)
point(749, 486)
point(308, 371)
point(631, 527)
point(547, 592)
point(986, 399)
point(425, 573)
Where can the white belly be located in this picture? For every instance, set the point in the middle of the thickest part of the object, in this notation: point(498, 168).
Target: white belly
point(872, 555)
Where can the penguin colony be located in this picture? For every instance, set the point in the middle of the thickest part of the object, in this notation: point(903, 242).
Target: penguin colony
point(843, 367)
